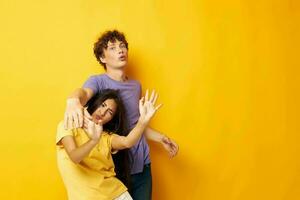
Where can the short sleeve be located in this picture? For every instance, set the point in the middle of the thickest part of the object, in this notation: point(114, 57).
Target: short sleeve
point(109, 144)
point(61, 132)
point(92, 83)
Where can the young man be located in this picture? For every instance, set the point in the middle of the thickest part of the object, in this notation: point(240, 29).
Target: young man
point(111, 50)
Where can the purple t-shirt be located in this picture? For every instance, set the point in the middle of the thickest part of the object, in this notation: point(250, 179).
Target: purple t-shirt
point(130, 92)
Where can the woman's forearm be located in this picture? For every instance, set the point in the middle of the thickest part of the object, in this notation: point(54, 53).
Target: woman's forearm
point(77, 154)
point(135, 134)
point(125, 142)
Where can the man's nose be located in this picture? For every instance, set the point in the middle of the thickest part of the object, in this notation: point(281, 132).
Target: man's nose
point(120, 50)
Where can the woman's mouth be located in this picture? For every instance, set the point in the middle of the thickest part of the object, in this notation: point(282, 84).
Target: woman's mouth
point(97, 117)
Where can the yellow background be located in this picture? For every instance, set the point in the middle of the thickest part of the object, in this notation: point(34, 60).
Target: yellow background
point(227, 73)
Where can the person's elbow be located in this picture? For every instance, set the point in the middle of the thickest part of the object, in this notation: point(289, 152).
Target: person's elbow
point(74, 159)
point(126, 144)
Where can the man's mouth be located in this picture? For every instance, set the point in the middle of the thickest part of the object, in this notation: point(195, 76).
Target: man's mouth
point(122, 58)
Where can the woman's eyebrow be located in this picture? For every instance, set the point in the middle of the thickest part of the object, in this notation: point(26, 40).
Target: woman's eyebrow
point(108, 108)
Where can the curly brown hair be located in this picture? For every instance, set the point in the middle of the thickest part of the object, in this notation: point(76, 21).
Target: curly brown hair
point(102, 42)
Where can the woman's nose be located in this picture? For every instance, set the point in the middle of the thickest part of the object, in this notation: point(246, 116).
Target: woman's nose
point(102, 113)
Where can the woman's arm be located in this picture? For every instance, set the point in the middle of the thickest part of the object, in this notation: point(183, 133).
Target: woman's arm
point(75, 153)
point(147, 110)
point(126, 142)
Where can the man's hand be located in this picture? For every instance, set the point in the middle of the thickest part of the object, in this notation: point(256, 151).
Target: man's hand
point(74, 114)
point(170, 146)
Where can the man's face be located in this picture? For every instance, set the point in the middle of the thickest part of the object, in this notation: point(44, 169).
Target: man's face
point(115, 56)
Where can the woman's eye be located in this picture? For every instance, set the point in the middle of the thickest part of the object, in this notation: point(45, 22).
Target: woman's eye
point(102, 105)
point(112, 48)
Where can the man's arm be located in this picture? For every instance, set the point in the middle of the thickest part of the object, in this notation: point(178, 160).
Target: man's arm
point(74, 111)
point(82, 94)
point(170, 145)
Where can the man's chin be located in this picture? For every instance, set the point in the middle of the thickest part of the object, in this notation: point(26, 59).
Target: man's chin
point(121, 66)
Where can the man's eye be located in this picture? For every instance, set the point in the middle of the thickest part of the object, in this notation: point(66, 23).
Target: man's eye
point(102, 105)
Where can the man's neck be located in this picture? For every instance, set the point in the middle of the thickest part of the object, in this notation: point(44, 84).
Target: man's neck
point(116, 74)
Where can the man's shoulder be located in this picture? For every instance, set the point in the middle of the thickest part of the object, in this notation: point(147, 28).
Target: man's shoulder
point(97, 76)
point(135, 81)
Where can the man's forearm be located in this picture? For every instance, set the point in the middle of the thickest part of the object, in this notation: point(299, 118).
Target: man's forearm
point(153, 135)
point(79, 94)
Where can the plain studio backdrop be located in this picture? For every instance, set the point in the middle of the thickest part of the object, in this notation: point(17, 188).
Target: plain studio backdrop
point(226, 71)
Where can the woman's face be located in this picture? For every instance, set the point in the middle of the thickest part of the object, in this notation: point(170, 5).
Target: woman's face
point(105, 112)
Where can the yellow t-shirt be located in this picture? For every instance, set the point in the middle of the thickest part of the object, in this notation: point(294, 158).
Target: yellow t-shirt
point(94, 177)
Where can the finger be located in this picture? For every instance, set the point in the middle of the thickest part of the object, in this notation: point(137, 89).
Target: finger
point(85, 123)
point(165, 140)
point(76, 120)
point(169, 141)
point(155, 98)
point(66, 122)
point(174, 150)
point(70, 121)
point(80, 117)
point(146, 95)
point(141, 102)
point(87, 114)
point(86, 118)
point(100, 122)
point(152, 96)
point(85, 126)
point(157, 107)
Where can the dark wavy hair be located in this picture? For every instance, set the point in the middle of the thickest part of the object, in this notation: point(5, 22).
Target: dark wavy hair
point(102, 42)
point(116, 125)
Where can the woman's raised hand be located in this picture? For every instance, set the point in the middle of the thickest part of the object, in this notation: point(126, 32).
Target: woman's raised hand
point(92, 129)
point(147, 106)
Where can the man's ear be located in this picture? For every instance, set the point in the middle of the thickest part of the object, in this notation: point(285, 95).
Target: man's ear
point(102, 58)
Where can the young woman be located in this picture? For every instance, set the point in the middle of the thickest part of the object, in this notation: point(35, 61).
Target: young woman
point(84, 155)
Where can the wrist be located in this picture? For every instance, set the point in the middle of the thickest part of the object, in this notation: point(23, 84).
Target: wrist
point(94, 141)
point(161, 137)
point(73, 100)
point(143, 122)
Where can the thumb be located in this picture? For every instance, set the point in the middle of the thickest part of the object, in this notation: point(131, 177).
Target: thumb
point(87, 114)
point(100, 122)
